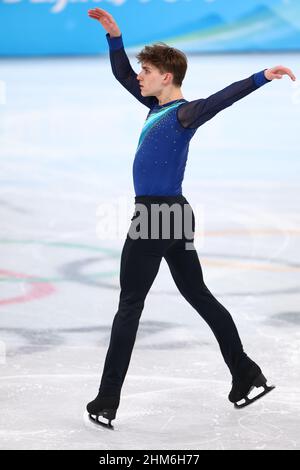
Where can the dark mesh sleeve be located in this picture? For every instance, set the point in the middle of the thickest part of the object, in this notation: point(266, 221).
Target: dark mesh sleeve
point(124, 73)
point(195, 113)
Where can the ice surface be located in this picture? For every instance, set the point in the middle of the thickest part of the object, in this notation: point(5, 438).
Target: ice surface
point(68, 134)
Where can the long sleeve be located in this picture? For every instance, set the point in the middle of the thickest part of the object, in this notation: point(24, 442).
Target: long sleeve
point(123, 71)
point(195, 113)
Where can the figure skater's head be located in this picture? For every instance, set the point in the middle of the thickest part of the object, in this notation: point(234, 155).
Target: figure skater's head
point(162, 66)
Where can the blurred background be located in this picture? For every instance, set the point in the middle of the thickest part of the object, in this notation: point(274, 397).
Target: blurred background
point(59, 27)
point(68, 136)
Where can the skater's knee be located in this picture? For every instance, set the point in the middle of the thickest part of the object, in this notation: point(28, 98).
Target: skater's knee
point(196, 295)
point(130, 307)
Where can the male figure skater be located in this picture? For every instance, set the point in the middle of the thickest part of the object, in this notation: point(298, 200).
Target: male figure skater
point(158, 171)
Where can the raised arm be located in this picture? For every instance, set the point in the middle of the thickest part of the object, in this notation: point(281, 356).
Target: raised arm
point(120, 64)
point(195, 113)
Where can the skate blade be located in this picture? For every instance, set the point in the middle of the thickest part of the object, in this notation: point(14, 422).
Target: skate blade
point(95, 419)
point(248, 400)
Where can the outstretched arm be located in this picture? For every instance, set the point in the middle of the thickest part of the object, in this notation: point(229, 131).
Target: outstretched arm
point(120, 64)
point(195, 113)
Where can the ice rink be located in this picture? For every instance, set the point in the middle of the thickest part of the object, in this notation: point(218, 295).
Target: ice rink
point(68, 135)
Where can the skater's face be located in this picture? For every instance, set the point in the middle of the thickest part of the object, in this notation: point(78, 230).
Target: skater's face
point(152, 81)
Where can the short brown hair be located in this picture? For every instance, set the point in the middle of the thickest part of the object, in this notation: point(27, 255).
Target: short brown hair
point(166, 59)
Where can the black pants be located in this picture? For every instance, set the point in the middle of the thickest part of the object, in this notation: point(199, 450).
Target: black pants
point(140, 261)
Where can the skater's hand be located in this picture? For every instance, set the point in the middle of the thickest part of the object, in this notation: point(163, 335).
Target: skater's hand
point(278, 71)
point(106, 20)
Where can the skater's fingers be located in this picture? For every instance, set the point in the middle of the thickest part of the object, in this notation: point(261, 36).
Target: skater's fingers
point(280, 69)
point(103, 12)
point(291, 75)
point(93, 16)
point(286, 71)
point(97, 15)
point(99, 18)
point(93, 12)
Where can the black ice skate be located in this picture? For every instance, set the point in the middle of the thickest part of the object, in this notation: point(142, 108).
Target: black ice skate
point(105, 407)
point(242, 387)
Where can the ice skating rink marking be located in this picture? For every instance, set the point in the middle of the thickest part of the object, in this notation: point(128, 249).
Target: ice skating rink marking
point(78, 246)
point(41, 286)
point(253, 265)
point(72, 269)
point(259, 232)
point(37, 290)
point(60, 244)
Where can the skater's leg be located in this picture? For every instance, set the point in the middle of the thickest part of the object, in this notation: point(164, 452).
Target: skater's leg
point(186, 271)
point(140, 262)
